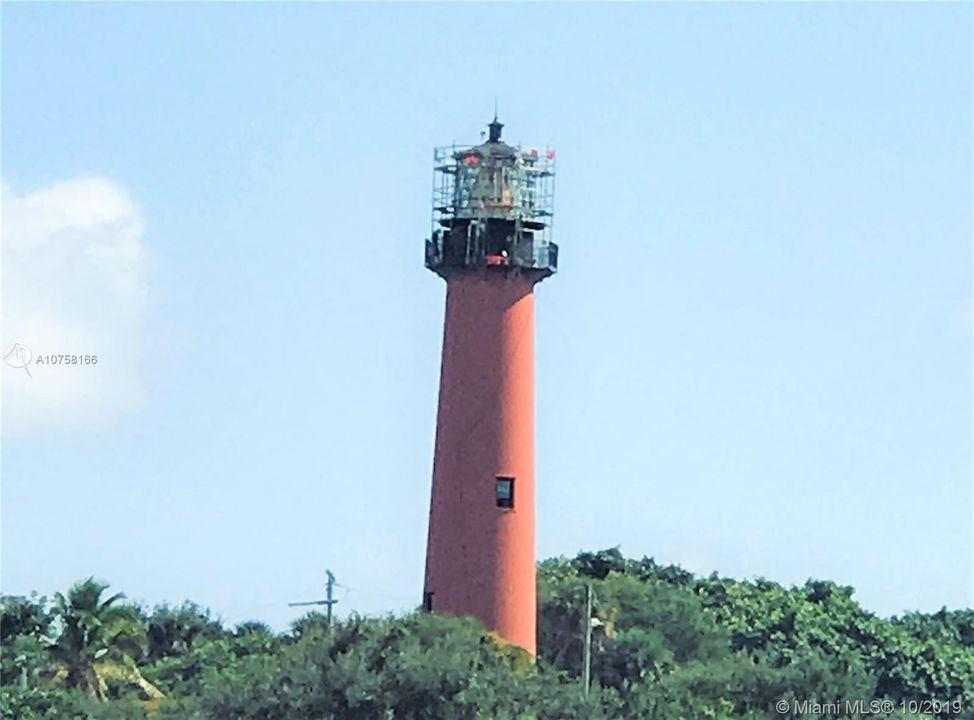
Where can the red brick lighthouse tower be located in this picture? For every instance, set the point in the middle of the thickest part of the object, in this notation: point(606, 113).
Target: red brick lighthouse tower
point(490, 242)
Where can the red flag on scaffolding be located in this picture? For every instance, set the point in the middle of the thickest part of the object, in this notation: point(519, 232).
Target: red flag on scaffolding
point(550, 154)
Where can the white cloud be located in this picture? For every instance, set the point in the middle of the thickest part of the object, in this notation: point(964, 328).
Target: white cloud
point(74, 282)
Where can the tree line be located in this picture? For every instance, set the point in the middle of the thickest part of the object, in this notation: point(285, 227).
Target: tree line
point(664, 644)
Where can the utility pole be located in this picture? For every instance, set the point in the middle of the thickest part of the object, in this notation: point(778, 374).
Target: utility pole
point(587, 635)
point(22, 659)
point(329, 598)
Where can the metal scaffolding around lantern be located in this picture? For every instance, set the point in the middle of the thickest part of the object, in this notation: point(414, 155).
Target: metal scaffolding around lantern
point(492, 206)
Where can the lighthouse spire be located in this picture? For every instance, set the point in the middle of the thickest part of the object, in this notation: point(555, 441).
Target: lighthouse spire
point(495, 129)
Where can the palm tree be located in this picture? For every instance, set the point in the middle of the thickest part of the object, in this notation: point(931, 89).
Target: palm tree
point(99, 640)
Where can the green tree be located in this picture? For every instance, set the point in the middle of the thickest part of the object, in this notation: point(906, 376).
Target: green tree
point(25, 630)
point(61, 704)
point(99, 642)
point(174, 631)
point(665, 644)
point(421, 667)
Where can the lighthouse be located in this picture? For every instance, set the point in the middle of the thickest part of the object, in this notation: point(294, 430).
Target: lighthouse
point(491, 243)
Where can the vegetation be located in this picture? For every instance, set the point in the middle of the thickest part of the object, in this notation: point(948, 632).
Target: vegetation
point(665, 644)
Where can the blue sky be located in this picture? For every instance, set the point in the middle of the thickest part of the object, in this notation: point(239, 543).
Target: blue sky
point(755, 359)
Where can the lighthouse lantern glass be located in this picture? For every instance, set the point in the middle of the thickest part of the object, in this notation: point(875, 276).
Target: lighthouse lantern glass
point(492, 206)
point(482, 182)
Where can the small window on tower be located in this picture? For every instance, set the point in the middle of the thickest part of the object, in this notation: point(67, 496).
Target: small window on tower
point(505, 492)
point(427, 602)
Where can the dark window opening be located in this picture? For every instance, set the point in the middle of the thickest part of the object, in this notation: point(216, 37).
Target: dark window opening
point(427, 602)
point(505, 492)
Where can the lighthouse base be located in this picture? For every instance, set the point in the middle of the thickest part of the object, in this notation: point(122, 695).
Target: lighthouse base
point(480, 557)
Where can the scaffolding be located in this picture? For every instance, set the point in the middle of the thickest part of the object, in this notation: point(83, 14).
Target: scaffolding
point(493, 206)
point(494, 181)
